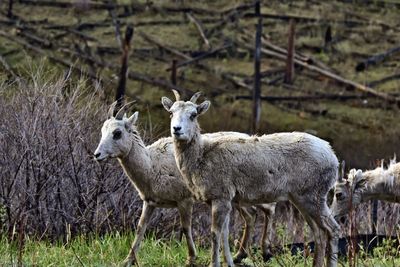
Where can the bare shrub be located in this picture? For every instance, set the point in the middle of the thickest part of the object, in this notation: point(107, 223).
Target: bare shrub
point(48, 178)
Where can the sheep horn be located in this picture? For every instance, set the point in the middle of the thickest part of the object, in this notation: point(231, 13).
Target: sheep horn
point(176, 93)
point(122, 111)
point(194, 98)
point(342, 170)
point(110, 112)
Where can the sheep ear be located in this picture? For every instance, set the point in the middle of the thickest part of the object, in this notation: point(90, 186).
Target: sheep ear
point(133, 119)
point(203, 107)
point(358, 181)
point(167, 103)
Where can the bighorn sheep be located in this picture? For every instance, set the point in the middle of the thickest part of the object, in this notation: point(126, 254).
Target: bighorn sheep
point(153, 172)
point(380, 183)
point(260, 169)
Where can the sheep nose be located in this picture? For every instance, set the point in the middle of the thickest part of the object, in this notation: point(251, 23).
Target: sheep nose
point(176, 129)
point(97, 155)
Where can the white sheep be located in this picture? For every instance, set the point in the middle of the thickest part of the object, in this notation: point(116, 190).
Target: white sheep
point(153, 172)
point(260, 169)
point(380, 183)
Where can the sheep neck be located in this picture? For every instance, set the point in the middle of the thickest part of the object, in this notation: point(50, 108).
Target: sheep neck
point(137, 165)
point(382, 191)
point(188, 155)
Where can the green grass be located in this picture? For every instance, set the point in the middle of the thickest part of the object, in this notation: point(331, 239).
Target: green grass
point(108, 250)
point(111, 250)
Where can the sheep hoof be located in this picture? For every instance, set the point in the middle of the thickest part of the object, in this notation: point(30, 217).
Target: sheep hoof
point(129, 262)
point(239, 257)
point(267, 255)
point(191, 262)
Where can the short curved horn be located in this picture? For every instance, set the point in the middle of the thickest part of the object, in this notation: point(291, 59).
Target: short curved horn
point(122, 111)
point(342, 171)
point(110, 112)
point(194, 98)
point(177, 95)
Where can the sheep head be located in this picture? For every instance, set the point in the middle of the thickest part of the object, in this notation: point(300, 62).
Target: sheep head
point(184, 116)
point(116, 140)
point(347, 193)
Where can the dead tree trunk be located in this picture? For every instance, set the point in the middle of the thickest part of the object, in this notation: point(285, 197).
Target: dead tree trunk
point(10, 7)
point(173, 71)
point(289, 75)
point(257, 77)
point(120, 93)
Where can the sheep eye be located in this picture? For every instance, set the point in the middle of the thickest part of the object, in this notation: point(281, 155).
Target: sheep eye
point(170, 114)
point(339, 196)
point(193, 115)
point(117, 134)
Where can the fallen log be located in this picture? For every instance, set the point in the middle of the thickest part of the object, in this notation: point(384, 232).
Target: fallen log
point(303, 97)
point(384, 80)
point(283, 51)
point(200, 30)
point(231, 16)
point(49, 56)
point(132, 75)
point(234, 80)
point(89, 4)
point(374, 60)
point(201, 57)
point(302, 19)
point(9, 69)
point(330, 75)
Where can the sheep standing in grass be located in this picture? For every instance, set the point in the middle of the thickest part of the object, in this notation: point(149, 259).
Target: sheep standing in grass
point(153, 171)
point(380, 183)
point(260, 169)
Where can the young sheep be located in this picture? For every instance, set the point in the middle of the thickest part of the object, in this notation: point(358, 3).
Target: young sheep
point(153, 172)
point(247, 170)
point(363, 186)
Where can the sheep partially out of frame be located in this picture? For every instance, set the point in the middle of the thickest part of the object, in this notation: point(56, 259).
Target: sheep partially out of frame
point(380, 183)
point(260, 169)
point(153, 172)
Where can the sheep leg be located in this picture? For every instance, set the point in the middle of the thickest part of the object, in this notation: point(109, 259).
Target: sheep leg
point(266, 247)
point(220, 209)
point(185, 209)
point(225, 236)
point(323, 217)
point(248, 215)
point(333, 231)
point(147, 211)
point(311, 218)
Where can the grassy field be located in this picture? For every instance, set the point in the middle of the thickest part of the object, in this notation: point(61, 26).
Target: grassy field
point(111, 249)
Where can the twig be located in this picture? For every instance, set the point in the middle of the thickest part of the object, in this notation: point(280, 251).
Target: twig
point(200, 29)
